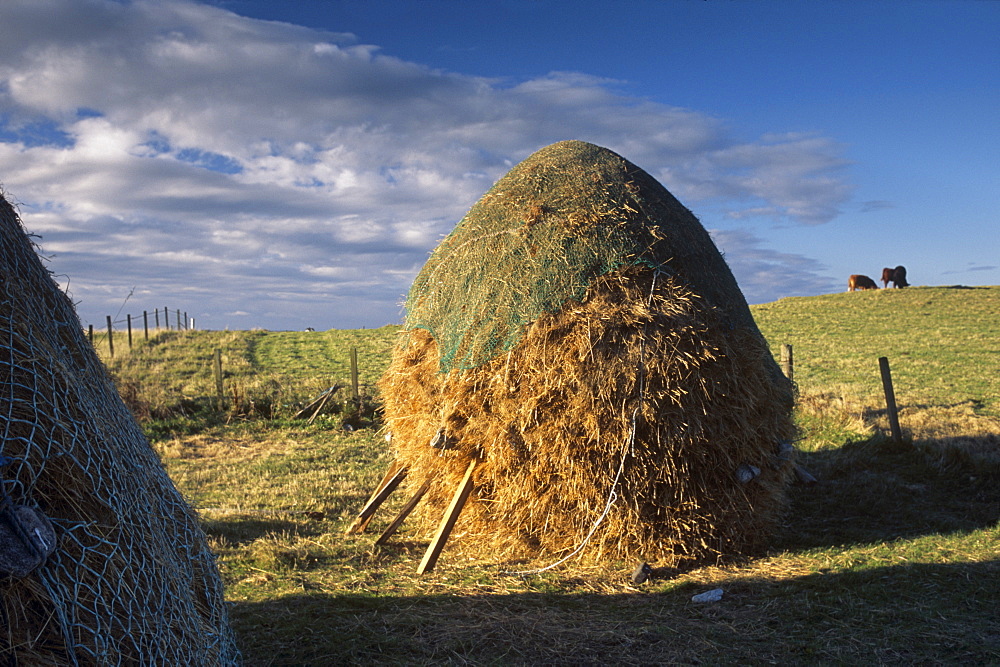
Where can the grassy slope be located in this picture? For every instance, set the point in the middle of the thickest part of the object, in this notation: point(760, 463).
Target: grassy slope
point(325, 354)
point(942, 343)
point(891, 558)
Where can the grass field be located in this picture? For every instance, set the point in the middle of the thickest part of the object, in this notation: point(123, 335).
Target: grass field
point(893, 557)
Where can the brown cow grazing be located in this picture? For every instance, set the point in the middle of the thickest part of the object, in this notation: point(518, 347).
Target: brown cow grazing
point(895, 276)
point(861, 283)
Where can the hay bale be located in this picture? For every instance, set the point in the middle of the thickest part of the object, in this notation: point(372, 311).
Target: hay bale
point(581, 334)
point(129, 578)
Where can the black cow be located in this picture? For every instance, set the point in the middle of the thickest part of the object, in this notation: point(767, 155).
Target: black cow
point(895, 276)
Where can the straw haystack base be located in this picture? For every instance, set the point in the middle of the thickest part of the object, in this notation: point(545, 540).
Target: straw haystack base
point(633, 410)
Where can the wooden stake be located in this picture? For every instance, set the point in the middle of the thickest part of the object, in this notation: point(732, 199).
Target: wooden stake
point(448, 521)
point(787, 362)
point(319, 408)
point(403, 513)
point(354, 375)
point(890, 400)
point(319, 401)
point(390, 481)
point(217, 366)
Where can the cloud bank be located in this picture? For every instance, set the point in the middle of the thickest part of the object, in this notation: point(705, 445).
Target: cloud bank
point(256, 173)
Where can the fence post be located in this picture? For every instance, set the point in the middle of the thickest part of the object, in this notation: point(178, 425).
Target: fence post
point(156, 314)
point(178, 319)
point(145, 324)
point(787, 364)
point(890, 400)
point(111, 341)
point(354, 375)
point(128, 318)
point(218, 374)
point(187, 322)
point(90, 332)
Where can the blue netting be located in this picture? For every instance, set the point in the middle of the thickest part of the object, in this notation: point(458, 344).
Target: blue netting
point(131, 580)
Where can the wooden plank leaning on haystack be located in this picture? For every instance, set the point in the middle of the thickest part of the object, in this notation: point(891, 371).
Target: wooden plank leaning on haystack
point(390, 481)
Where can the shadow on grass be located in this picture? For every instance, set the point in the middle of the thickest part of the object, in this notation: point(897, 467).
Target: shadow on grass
point(240, 529)
point(874, 491)
point(907, 614)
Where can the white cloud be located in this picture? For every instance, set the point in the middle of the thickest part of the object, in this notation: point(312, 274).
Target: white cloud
point(766, 275)
point(194, 149)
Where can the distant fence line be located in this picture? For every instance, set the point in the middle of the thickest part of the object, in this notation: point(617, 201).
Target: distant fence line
point(181, 323)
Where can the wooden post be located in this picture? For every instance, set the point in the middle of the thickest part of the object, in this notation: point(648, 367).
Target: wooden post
point(390, 481)
point(90, 332)
point(890, 399)
point(462, 494)
point(128, 318)
point(156, 314)
point(319, 408)
point(403, 513)
point(787, 364)
point(218, 374)
point(178, 319)
point(166, 319)
point(145, 324)
point(354, 375)
point(111, 342)
point(187, 322)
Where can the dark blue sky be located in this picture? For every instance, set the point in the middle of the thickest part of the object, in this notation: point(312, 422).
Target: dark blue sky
point(279, 162)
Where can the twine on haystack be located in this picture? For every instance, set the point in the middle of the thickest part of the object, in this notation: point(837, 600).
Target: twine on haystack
point(612, 497)
point(628, 450)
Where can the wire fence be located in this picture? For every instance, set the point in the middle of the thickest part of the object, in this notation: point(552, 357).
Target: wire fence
point(131, 325)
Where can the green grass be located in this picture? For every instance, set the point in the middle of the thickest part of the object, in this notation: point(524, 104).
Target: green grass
point(307, 355)
point(942, 343)
point(170, 381)
point(892, 558)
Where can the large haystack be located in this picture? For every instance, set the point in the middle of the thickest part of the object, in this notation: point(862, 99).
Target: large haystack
point(580, 333)
point(118, 571)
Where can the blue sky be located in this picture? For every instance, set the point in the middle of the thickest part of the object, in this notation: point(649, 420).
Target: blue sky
point(291, 164)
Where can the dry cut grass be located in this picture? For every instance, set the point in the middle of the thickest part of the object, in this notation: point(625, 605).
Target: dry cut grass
point(921, 551)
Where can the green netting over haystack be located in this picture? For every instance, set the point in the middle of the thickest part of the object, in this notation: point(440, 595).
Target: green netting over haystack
point(119, 572)
point(566, 215)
